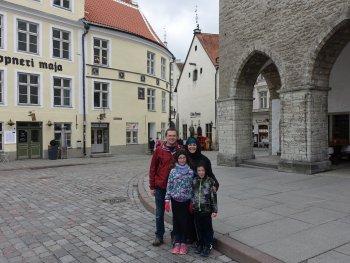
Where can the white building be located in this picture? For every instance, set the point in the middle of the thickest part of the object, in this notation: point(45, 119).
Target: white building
point(197, 89)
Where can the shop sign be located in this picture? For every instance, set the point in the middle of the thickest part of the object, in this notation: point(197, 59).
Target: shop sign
point(8, 60)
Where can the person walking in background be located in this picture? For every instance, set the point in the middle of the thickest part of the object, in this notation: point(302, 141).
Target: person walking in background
point(151, 144)
point(179, 191)
point(161, 164)
point(158, 143)
point(204, 207)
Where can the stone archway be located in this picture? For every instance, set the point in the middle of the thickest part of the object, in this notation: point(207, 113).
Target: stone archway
point(236, 112)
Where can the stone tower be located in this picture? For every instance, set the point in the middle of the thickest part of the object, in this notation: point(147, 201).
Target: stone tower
point(294, 45)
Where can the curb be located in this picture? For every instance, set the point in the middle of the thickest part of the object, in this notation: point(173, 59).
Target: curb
point(224, 244)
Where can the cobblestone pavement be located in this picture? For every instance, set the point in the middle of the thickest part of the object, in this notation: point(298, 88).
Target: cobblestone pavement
point(81, 213)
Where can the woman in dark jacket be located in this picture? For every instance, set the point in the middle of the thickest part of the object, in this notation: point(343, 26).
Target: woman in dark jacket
point(194, 150)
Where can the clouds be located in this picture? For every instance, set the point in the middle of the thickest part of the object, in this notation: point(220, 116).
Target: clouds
point(178, 17)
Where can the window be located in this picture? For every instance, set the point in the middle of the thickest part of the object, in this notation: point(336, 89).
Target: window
point(163, 68)
point(195, 75)
point(28, 89)
point(1, 31)
point(1, 131)
point(141, 93)
point(184, 131)
point(162, 131)
point(151, 99)
point(60, 43)
point(27, 36)
point(62, 3)
point(150, 63)
point(1, 86)
point(163, 101)
point(100, 95)
point(263, 99)
point(61, 92)
point(100, 52)
point(132, 132)
point(63, 134)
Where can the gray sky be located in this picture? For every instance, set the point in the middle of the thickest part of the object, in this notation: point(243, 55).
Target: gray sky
point(178, 17)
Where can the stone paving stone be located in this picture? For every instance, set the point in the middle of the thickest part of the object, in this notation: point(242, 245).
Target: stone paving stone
point(63, 218)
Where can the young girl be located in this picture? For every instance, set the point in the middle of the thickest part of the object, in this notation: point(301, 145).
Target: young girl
point(179, 194)
point(204, 206)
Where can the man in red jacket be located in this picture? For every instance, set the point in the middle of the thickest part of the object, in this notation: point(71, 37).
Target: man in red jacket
point(161, 164)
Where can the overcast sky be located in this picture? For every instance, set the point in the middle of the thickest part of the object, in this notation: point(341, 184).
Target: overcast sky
point(179, 19)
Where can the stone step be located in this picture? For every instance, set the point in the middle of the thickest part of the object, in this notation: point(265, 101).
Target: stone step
point(100, 155)
point(256, 163)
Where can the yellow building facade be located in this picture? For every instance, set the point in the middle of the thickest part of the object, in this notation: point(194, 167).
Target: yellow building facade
point(92, 85)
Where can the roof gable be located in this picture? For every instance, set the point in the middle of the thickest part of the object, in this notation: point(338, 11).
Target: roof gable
point(120, 15)
point(210, 43)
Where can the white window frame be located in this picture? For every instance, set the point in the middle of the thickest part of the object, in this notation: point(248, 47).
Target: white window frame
point(263, 99)
point(100, 50)
point(39, 85)
point(62, 88)
point(38, 36)
point(163, 101)
point(61, 5)
point(108, 92)
point(132, 128)
point(68, 133)
point(162, 130)
point(1, 136)
point(2, 31)
point(2, 87)
point(61, 42)
point(151, 58)
point(163, 68)
point(151, 99)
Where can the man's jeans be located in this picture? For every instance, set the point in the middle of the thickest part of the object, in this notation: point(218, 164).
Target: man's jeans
point(160, 203)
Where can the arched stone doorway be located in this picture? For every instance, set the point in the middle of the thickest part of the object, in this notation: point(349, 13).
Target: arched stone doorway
point(235, 112)
point(330, 72)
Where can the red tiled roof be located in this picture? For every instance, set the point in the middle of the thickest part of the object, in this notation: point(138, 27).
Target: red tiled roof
point(120, 15)
point(180, 65)
point(210, 43)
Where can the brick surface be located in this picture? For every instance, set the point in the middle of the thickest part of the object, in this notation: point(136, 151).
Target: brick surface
point(60, 215)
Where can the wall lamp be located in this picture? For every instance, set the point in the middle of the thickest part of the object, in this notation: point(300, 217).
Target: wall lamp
point(49, 123)
point(10, 123)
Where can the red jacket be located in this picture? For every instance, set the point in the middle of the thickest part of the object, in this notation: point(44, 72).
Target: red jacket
point(162, 161)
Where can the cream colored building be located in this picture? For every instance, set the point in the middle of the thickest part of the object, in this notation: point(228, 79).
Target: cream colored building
point(112, 105)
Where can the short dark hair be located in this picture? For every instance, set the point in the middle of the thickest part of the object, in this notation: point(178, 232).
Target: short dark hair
point(171, 129)
point(182, 152)
point(201, 164)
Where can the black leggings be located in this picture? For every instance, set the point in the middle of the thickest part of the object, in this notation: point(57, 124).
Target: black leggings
point(180, 220)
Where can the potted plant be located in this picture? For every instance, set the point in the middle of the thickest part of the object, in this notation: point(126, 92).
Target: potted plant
point(53, 150)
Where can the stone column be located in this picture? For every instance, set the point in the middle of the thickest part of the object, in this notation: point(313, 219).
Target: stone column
point(304, 130)
point(235, 130)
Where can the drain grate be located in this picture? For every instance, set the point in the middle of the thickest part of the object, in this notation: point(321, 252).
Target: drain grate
point(114, 200)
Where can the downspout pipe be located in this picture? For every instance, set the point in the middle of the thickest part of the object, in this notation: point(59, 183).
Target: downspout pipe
point(86, 30)
point(216, 91)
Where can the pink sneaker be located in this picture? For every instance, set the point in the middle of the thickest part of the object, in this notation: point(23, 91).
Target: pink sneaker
point(176, 248)
point(183, 249)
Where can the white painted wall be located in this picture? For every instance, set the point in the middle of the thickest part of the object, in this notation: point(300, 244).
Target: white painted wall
point(197, 96)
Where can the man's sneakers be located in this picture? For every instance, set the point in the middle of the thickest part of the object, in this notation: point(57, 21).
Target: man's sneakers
point(176, 248)
point(157, 242)
point(206, 251)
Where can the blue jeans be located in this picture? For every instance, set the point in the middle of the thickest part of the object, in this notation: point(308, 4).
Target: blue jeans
point(160, 203)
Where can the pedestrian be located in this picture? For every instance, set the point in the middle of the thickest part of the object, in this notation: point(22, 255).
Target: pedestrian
point(158, 143)
point(204, 207)
point(179, 190)
point(161, 164)
point(151, 144)
point(194, 150)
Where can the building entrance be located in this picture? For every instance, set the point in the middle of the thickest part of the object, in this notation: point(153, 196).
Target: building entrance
point(99, 138)
point(29, 140)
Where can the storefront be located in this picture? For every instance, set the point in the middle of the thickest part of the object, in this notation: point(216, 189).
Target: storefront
point(29, 140)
